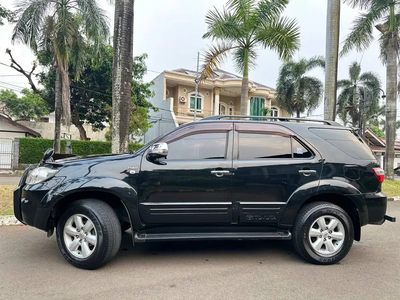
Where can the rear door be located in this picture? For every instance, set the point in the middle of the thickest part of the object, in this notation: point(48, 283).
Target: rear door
point(270, 162)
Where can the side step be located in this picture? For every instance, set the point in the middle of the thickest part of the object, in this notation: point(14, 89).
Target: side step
point(142, 236)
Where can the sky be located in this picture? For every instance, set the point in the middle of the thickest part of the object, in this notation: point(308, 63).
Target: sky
point(170, 32)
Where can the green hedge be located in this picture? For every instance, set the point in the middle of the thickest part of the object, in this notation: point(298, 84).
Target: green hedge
point(31, 149)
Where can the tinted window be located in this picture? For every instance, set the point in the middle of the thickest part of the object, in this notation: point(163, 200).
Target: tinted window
point(253, 146)
point(345, 141)
point(299, 151)
point(198, 146)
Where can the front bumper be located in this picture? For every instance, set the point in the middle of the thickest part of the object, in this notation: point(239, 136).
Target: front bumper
point(29, 203)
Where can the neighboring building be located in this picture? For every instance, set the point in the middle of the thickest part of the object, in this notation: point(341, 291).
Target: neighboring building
point(9, 130)
point(174, 95)
point(378, 146)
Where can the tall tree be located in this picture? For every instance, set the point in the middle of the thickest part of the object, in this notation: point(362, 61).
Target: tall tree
point(122, 74)
point(56, 25)
point(332, 57)
point(30, 105)
point(359, 95)
point(384, 16)
point(5, 14)
point(296, 92)
point(242, 27)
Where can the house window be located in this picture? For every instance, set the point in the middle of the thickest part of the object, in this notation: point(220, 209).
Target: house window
point(192, 102)
point(225, 109)
point(274, 112)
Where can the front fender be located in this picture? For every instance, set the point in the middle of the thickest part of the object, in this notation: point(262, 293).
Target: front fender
point(321, 188)
point(126, 193)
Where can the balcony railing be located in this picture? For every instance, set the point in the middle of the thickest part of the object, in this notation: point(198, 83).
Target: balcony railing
point(201, 113)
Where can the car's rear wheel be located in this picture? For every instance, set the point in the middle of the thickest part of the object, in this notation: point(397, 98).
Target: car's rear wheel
point(89, 234)
point(323, 233)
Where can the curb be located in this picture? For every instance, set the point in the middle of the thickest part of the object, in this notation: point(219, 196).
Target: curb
point(394, 199)
point(9, 220)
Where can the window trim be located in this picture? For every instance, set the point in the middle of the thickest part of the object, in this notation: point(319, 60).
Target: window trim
point(227, 108)
point(274, 108)
point(199, 95)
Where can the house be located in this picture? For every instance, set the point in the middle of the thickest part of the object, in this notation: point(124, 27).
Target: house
point(175, 97)
point(9, 130)
point(378, 146)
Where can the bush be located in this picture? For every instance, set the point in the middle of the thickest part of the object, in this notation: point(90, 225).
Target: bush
point(31, 149)
point(90, 147)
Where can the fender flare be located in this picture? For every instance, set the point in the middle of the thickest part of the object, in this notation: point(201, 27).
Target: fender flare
point(318, 188)
point(122, 190)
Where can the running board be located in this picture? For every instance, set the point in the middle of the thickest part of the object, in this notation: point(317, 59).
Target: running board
point(142, 236)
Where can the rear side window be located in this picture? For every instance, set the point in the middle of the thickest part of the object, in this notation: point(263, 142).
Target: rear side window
point(345, 141)
point(255, 146)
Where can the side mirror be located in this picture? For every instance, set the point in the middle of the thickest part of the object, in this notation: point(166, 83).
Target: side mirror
point(158, 150)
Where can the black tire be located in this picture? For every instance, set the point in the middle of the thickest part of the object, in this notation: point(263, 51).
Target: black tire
point(108, 231)
point(301, 237)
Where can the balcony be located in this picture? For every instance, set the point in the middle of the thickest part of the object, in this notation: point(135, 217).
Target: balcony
point(200, 113)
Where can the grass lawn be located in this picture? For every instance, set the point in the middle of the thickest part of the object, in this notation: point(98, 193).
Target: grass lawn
point(391, 188)
point(6, 199)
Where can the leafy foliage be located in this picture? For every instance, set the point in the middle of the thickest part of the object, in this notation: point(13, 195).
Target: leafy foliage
point(30, 105)
point(377, 131)
point(31, 149)
point(296, 92)
point(5, 14)
point(241, 28)
point(63, 28)
point(361, 89)
point(91, 99)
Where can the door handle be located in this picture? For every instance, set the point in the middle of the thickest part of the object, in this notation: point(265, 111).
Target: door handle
point(307, 172)
point(220, 173)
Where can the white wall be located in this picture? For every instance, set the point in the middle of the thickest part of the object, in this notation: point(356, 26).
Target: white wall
point(163, 121)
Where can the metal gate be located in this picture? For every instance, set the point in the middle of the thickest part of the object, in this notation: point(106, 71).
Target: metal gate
point(6, 152)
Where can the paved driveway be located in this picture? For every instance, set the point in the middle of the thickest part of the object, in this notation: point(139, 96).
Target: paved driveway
point(9, 180)
point(31, 267)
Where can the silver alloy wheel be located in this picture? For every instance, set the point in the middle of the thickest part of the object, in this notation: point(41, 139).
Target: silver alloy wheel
point(326, 236)
point(80, 236)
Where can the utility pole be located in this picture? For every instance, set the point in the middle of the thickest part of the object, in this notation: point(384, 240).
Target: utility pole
point(197, 80)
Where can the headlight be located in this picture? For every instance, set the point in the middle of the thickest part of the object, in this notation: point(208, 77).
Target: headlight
point(40, 174)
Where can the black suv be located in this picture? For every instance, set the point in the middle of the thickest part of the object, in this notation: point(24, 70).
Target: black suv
point(316, 183)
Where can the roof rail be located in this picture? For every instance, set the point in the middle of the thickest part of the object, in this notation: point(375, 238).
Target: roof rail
point(282, 119)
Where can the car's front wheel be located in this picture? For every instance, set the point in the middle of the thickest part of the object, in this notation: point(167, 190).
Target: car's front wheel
point(323, 233)
point(89, 234)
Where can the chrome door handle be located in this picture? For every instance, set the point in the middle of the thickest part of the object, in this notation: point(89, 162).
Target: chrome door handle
point(220, 173)
point(307, 172)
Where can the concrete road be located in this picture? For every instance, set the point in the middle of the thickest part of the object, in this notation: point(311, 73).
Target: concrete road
point(31, 267)
point(9, 180)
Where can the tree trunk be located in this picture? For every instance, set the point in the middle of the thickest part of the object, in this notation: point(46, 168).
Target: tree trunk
point(244, 98)
point(298, 114)
point(78, 124)
point(58, 112)
point(122, 74)
point(331, 57)
point(391, 105)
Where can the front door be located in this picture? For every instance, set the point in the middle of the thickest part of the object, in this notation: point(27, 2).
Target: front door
point(194, 184)
point(269, 163)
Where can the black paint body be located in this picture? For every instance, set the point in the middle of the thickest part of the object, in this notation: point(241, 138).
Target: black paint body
point(184, 195)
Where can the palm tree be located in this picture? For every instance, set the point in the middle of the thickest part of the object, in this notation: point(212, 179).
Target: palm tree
point(60, 25)
point(361, 36)
point(332, 56)
point(296, 92)
point(357, 91)
point(122, 74)
point(243, 26)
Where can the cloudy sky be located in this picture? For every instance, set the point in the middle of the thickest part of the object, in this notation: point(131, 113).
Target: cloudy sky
point(170, 32)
